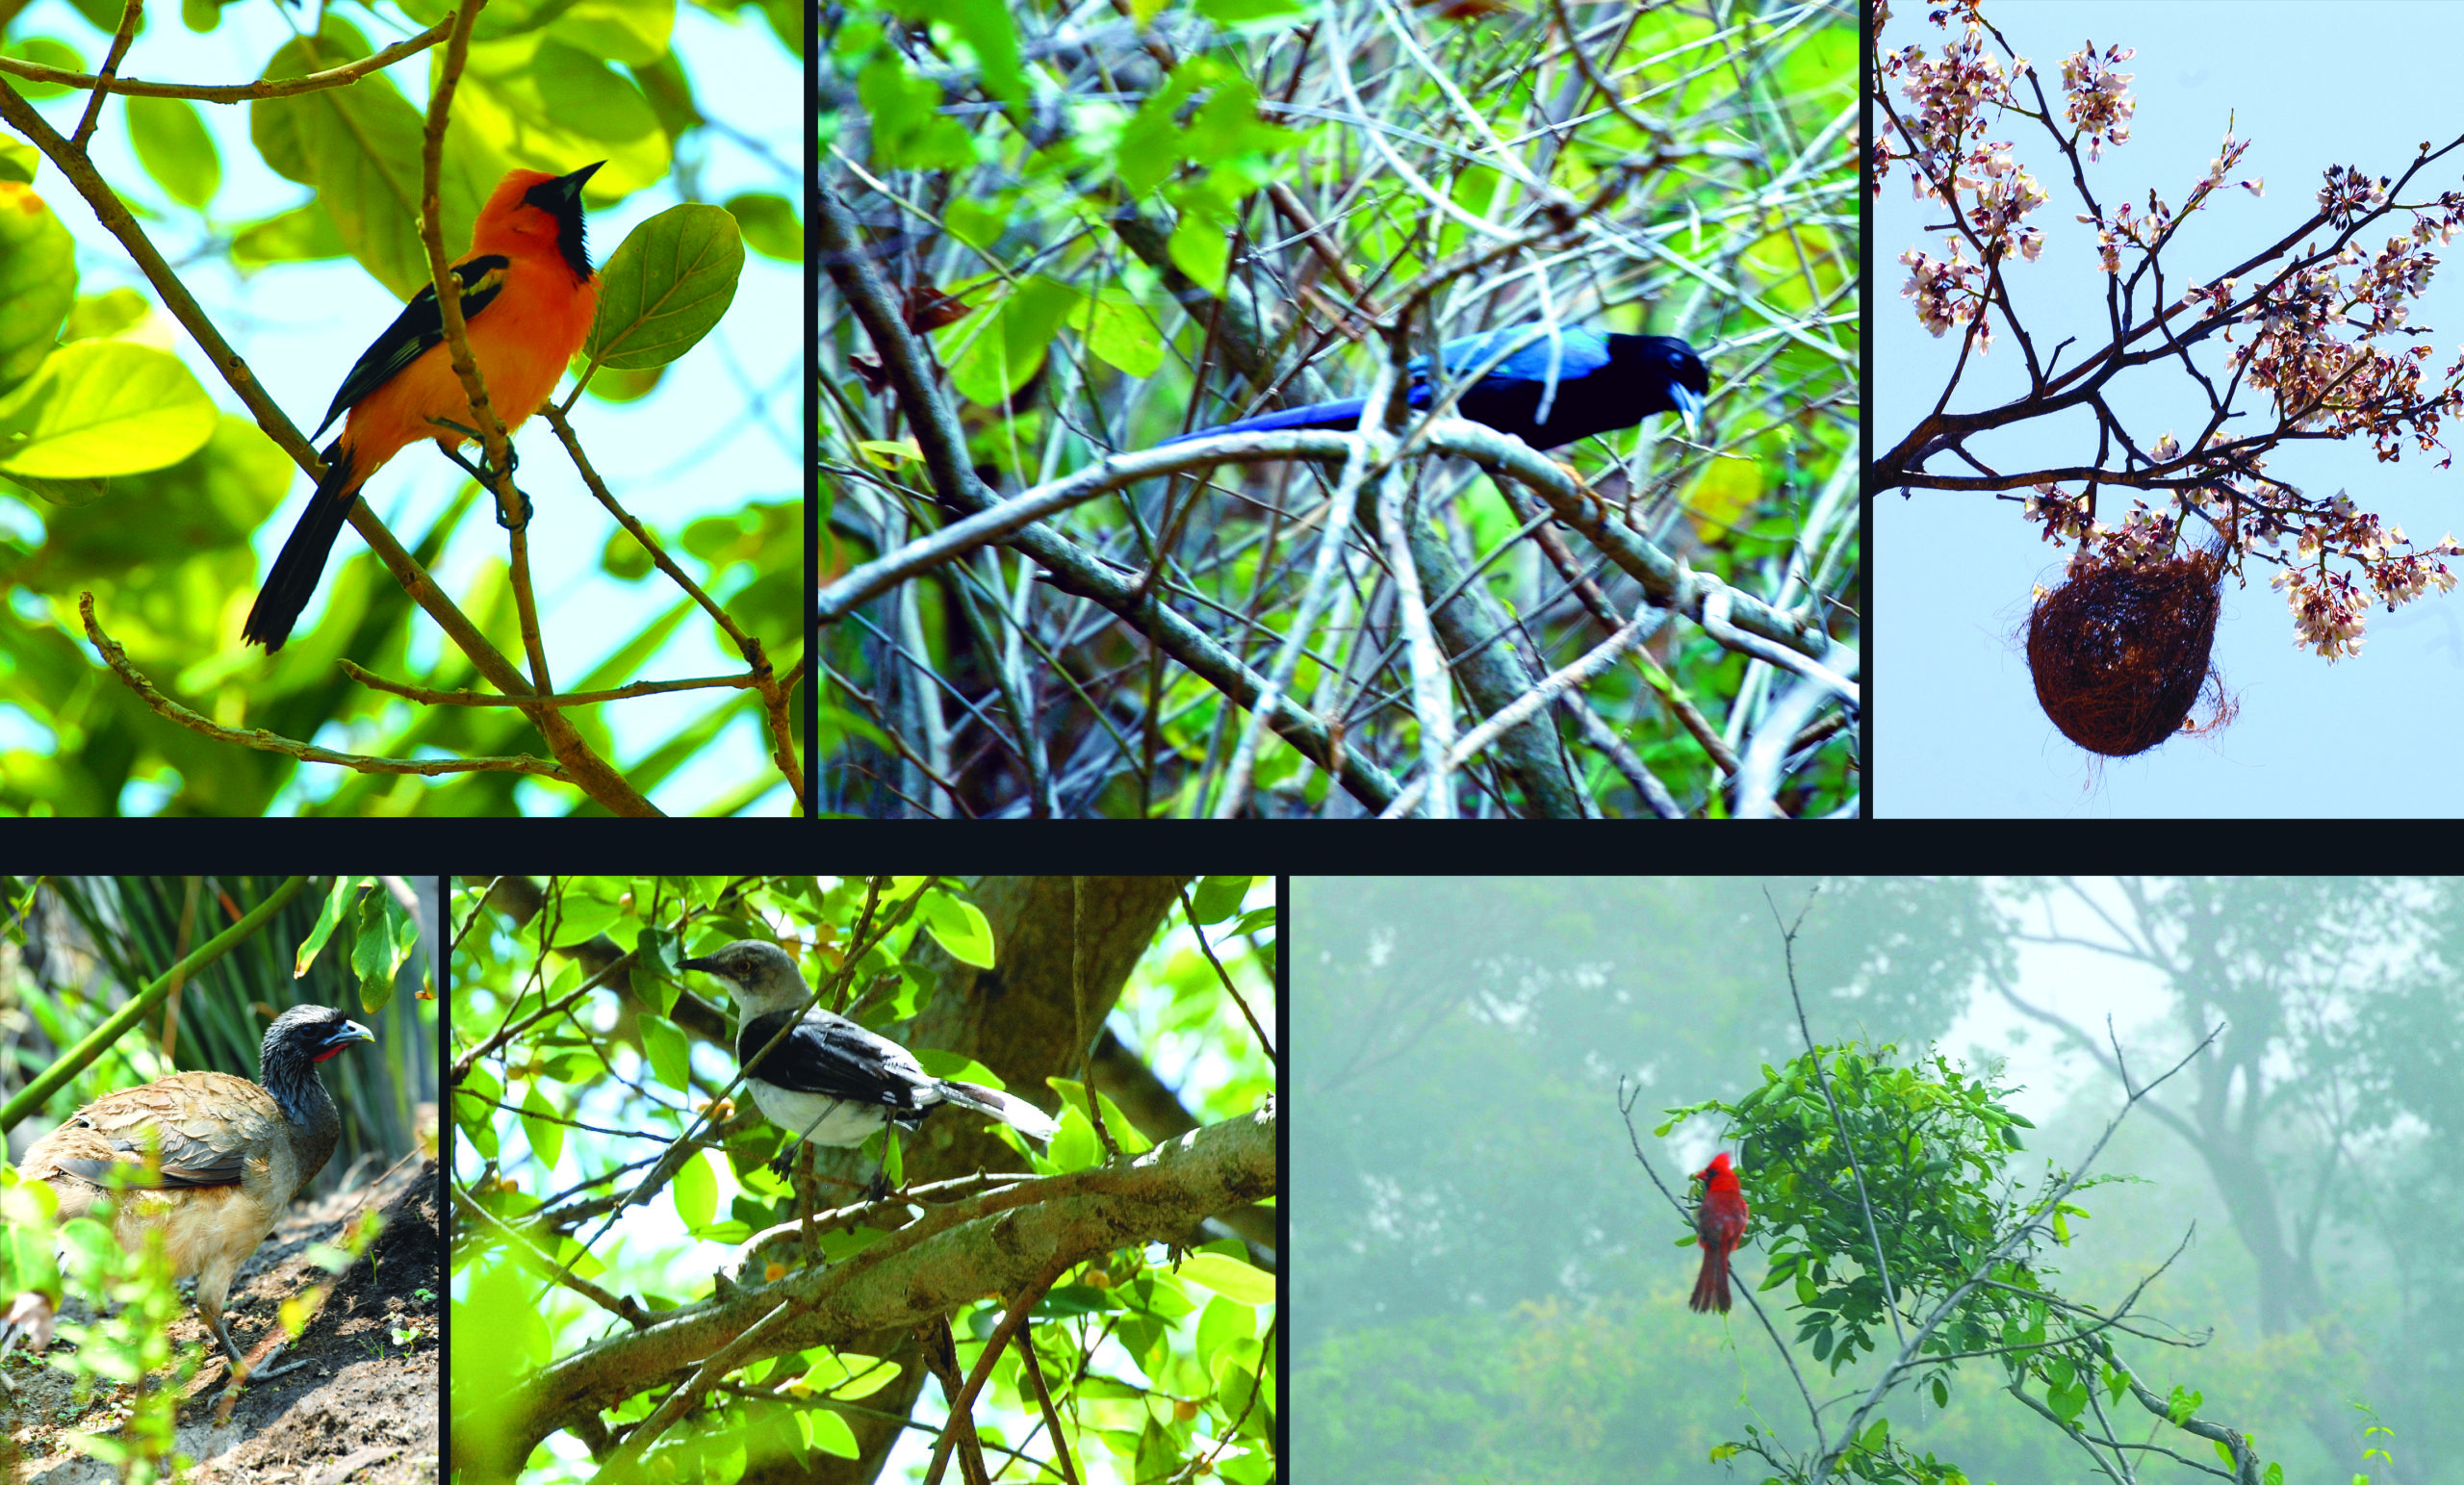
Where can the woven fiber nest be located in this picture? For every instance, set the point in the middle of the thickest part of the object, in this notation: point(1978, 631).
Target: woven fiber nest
point(2119, 653)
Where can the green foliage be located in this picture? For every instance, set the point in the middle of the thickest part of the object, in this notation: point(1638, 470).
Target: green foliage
point(1172, 233)
point(665, 287)
point(1932, 1143)
point(38, 281)
point(1149, 1355)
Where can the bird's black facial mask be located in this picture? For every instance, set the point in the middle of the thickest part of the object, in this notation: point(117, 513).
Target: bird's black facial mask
point(561, 199)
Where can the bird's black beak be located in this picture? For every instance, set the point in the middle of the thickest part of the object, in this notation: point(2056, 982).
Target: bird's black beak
point(706, 967)
point(571, 185)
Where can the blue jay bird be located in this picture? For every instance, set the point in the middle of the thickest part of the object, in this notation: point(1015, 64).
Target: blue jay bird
point(1602, 382)
point(832, 1082)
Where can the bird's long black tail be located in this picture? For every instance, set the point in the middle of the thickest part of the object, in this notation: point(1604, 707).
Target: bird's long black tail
point(293, 580)
point(1016, 1112)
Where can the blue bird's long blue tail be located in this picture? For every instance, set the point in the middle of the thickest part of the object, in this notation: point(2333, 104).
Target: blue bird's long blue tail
point(1343, 413)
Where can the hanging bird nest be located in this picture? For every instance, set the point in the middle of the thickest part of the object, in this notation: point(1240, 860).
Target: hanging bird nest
point(2119, 652)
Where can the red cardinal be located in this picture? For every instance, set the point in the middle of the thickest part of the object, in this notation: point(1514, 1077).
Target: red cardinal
point(529, 295)
point(1719, 1224)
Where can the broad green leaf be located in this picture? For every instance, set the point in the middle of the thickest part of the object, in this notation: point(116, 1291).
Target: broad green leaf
point(102, 408)
point(543, 103)
point(770, 225)
point(303, 234)
point(540, 1127)
point(371, 951)
point(359, 147)
point(101, 315)
point(909, 132)
point(665, 287)
point(497, 20)
point(1229, 1277)
point(1012, 342)
point(171, 143)
point(1200, 249)
point(988, 29)
point(1218, 898)
point(633, 33)
point(828, 1432)
point(1124, 334)
point(46, 52)
point(668, 1053)
point(37, 280)
point(959, 926)
point(696, 1190)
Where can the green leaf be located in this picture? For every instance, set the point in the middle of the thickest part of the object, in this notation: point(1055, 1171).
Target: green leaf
point(979, 223)
point(103, 408)
point(171, 143)
point(300, 235)
point(101, 315)
point(538, 100)
point(1011, 341)
point(1202, 250)
point(828, 1432)
point(540, 1127)
point(1229, 14)
point(1216, 898)
point(37, 280)
point(988, 29)
point(359, 147)
point(669, 1056)
point(958, 926)
point(909, 132)
point(1229, 1277)
point(632, 32)
point(372, 949)
point(770, 225)
point(696, 1189)
point(1941, 1393)
point(665, 287)
point(43, 52)
point(18, 160)
point(2179, 1407)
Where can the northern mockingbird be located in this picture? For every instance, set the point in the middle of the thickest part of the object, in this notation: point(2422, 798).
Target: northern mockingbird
point(830, 1081)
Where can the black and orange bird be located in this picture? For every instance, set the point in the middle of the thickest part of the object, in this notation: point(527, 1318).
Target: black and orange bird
point(529, 296)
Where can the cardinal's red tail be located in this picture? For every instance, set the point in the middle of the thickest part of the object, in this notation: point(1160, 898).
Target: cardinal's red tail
point(1711, 1285)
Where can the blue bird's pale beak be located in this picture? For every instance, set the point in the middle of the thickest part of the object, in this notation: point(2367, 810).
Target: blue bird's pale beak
point(1690, 404)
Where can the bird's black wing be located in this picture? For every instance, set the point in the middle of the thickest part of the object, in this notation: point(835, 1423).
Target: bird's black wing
point(832, 1057)
point(420, 325)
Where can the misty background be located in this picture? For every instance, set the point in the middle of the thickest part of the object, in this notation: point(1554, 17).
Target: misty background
point(1490, 1289)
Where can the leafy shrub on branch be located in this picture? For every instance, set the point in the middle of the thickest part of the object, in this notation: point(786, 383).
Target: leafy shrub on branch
point(1881, 1193)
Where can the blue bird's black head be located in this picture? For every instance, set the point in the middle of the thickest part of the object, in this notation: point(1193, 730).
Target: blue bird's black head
point(1666, 372)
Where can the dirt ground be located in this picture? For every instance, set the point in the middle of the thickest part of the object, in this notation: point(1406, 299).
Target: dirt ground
point(364, 1410)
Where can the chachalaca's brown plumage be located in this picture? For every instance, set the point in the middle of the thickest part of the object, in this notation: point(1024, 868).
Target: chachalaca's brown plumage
point(234, 1154)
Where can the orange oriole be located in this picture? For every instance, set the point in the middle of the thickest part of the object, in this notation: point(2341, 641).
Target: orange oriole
point(529, 296)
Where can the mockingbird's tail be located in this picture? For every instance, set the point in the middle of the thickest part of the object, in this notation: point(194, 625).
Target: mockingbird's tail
point(1016, 1112)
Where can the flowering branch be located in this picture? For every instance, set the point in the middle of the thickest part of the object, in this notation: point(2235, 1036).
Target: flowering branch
point(2314, 320)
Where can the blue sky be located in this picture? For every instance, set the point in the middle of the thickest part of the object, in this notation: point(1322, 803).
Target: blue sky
point(689, 448)
point(1961, 733)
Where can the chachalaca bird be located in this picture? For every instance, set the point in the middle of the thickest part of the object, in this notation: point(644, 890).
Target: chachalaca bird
point(832, 1081)
point(234, 1154)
